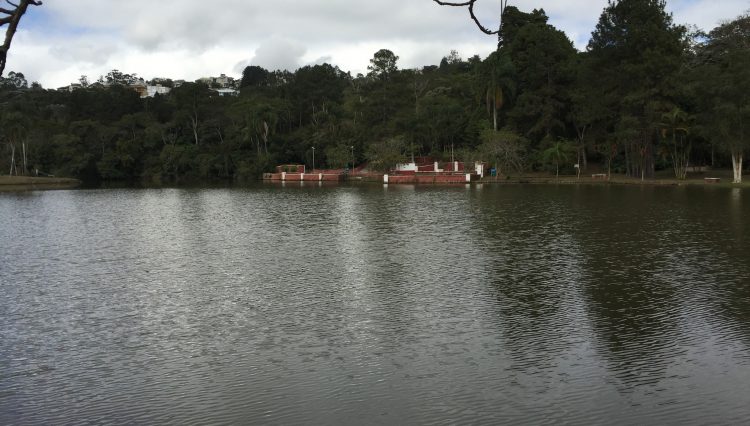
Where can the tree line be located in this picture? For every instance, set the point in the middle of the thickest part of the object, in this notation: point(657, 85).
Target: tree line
point(646, 95)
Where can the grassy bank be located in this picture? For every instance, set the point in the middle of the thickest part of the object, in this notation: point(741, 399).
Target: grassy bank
point(662, 179)
point(26, 183)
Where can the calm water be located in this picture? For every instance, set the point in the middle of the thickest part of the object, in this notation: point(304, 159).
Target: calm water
point(375, 305)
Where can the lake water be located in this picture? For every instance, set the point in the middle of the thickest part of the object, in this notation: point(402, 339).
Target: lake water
point(376, 305)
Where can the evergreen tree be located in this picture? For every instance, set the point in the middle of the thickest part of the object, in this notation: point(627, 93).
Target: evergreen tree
point(635, 53)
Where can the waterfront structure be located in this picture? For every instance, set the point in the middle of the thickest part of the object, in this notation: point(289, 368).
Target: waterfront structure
point(420, 171)
point(426, 170)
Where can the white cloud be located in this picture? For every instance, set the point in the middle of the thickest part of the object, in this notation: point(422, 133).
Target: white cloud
point(193, 38)
point(279, 54)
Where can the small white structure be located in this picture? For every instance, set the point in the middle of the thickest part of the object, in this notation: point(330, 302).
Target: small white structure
point(480, 168)
point(227, 92)
point(407, 167)
point(152, 91)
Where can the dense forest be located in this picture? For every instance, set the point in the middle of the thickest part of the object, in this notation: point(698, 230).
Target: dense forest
point(646, 95)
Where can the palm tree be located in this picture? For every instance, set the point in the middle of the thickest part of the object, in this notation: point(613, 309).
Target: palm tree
point(500, 84)
point(674, 126)
point(557, 153)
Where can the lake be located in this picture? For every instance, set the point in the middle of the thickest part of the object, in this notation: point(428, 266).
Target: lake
point(485, 304)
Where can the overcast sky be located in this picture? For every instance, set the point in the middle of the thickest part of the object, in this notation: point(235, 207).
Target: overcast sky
point(188, 39)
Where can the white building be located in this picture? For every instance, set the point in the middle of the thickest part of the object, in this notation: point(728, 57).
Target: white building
point(222, 81)
point(158, 89)
point(227, 92)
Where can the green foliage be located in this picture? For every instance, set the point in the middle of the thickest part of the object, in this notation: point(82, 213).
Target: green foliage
point(506, 150)
point(14, 80)
point(544, 59)
point(623, 102)
point(722, 84)
point(383, 64)
point(339, 156)
point(635, 55)
point(255, 77)
point(557, 153)
point(385, 154)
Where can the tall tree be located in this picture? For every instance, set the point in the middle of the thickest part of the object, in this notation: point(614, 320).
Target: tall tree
point(12, 18)
point(254, 76)
point(190, 99)
point(543, 57)
point(500, 78)
point(723, 74)
point(636, 51)
point(674, 129)
point(383, 64)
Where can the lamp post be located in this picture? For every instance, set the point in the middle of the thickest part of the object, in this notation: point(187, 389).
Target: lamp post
point(352, 157)
point(313, 169)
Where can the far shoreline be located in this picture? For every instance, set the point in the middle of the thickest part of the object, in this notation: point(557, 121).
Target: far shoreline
point(723, 181)
point(29, 183)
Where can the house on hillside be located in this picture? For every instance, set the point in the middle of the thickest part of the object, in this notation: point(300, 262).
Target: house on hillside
point(220, 82)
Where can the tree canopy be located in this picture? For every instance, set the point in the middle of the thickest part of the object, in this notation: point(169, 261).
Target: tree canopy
point(646, 95)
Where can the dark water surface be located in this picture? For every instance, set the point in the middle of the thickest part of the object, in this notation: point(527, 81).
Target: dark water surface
point(376, 305)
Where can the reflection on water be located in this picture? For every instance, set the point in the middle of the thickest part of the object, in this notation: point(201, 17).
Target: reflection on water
point(375, 304)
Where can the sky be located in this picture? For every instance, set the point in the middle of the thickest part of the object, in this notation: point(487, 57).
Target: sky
point(189, 39)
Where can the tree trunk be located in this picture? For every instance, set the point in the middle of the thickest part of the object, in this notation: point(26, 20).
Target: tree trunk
point(628, 163)
point(557, 171)
point(12, 158)
point(649, 163)
point(194, 126)
point(584, 154)
point(494, 117)
point(23, 146)
point(737, 166)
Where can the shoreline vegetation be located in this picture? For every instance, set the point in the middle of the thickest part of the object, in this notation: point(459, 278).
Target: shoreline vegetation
point(648, 99)
point(725, 180)
point(25, 183)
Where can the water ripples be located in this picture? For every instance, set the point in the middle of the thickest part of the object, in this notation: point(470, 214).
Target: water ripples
point(375, 305)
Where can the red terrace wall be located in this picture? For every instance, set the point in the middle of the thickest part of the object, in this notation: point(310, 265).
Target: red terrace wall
point(307, 177)
point(429, 179)
point(293, 177)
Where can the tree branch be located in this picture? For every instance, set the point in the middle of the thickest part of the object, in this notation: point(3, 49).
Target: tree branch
point(479, 24)
point(470, 4)
point(447, 3)
point(12, 21)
